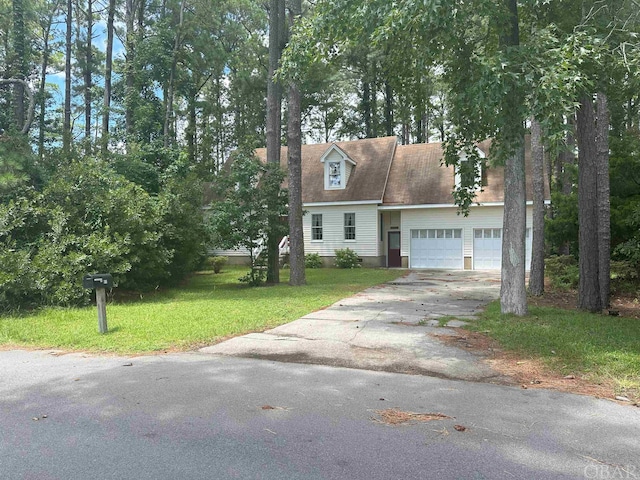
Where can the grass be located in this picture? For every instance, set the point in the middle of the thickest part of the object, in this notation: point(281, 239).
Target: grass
point(209, 307)
point(600, 348)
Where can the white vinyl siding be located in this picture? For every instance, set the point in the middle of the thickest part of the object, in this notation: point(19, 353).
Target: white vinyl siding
point(239, 252)
point(333, 230)
point(347, 172)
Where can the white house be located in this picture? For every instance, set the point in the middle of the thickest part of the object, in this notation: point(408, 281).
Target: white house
point(392, 204)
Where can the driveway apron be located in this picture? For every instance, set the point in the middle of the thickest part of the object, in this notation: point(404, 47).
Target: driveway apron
point(390, 328)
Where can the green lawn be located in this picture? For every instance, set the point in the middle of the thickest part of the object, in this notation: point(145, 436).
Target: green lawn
point(204, 310)
point(600, 348)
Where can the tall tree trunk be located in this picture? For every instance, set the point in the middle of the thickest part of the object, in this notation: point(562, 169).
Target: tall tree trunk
point(388, 108)
point(106, 102)
point(42, 93)
point(589, 287)
point(421, 121)
point(513, 293)
point(406, 133)
point(366, 108)
point(66, 126)
point(220, 143)
point(190, 131)
point(294, 142)
point(375, 124)
point(274, 120)
point(168, 131)
point(87, 78)
point(564, 169)
point(536, 277)
point(19, 64)
point(569, 157)
point(604, 208)
point(129, 67)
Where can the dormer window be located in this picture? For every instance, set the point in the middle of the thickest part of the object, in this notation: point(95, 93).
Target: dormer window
point(335, 175)
point(469, 174)
point(337, 168)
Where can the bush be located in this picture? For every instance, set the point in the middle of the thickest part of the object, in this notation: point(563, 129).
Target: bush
point(257, 275)
point(312, 260)
point(17, 280)
point(101, 222)
point(216, 263)
point(624, 276)
point(347, 258)
point(562, 271)
point(87, 219)
point(184, 232)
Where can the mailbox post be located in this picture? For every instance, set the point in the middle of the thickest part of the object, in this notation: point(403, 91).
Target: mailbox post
point(99, 283)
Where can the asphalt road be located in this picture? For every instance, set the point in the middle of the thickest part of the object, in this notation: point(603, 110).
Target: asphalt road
point(195, 416)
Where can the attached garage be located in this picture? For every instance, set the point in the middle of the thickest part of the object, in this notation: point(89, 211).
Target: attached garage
point(487, 248)
point(436, 248)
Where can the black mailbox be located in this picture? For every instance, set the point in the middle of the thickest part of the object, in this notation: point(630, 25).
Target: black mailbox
point(99, 280)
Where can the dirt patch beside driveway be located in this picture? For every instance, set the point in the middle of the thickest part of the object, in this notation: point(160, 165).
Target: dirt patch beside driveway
point(528, 373)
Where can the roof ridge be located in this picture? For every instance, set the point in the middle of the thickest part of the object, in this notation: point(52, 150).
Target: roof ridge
point(386, 180)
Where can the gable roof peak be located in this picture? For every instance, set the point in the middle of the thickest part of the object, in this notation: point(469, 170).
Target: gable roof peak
point(335, 148)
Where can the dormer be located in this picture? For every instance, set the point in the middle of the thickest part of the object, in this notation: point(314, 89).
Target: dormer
point(337, 168)
point(464, 177)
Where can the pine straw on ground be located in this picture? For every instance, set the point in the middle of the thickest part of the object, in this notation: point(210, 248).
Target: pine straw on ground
point(526, 372)
point(530, 372)
point(392, 416)
point(626, 305)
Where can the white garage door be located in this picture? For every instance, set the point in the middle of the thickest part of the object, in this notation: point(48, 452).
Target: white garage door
point(487, 248)
point(436, 248)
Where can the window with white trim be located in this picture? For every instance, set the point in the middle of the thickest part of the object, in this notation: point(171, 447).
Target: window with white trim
point(349, 226)
point(316, 226)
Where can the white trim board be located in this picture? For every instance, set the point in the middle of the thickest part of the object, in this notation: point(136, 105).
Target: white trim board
point(448, 205)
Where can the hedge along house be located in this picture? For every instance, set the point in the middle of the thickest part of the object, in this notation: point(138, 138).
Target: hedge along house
point(393, 205)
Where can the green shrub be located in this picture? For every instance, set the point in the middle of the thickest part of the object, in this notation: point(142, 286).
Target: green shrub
point(18, 287)
point(101, 223)
point(216, 263)
point(312, 260)
point(256, 276)
point(87, 219)
point(90, 219)
point(624, 270)
point(347, 258)
point(624, 276)
point(184, 232)
point(562, 271)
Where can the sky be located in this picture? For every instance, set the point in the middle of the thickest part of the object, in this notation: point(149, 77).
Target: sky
point(56, 77)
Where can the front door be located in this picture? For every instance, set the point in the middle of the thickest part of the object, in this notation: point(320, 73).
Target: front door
point(393, 251)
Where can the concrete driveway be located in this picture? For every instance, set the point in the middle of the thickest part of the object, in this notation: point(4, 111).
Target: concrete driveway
point(386, 328)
